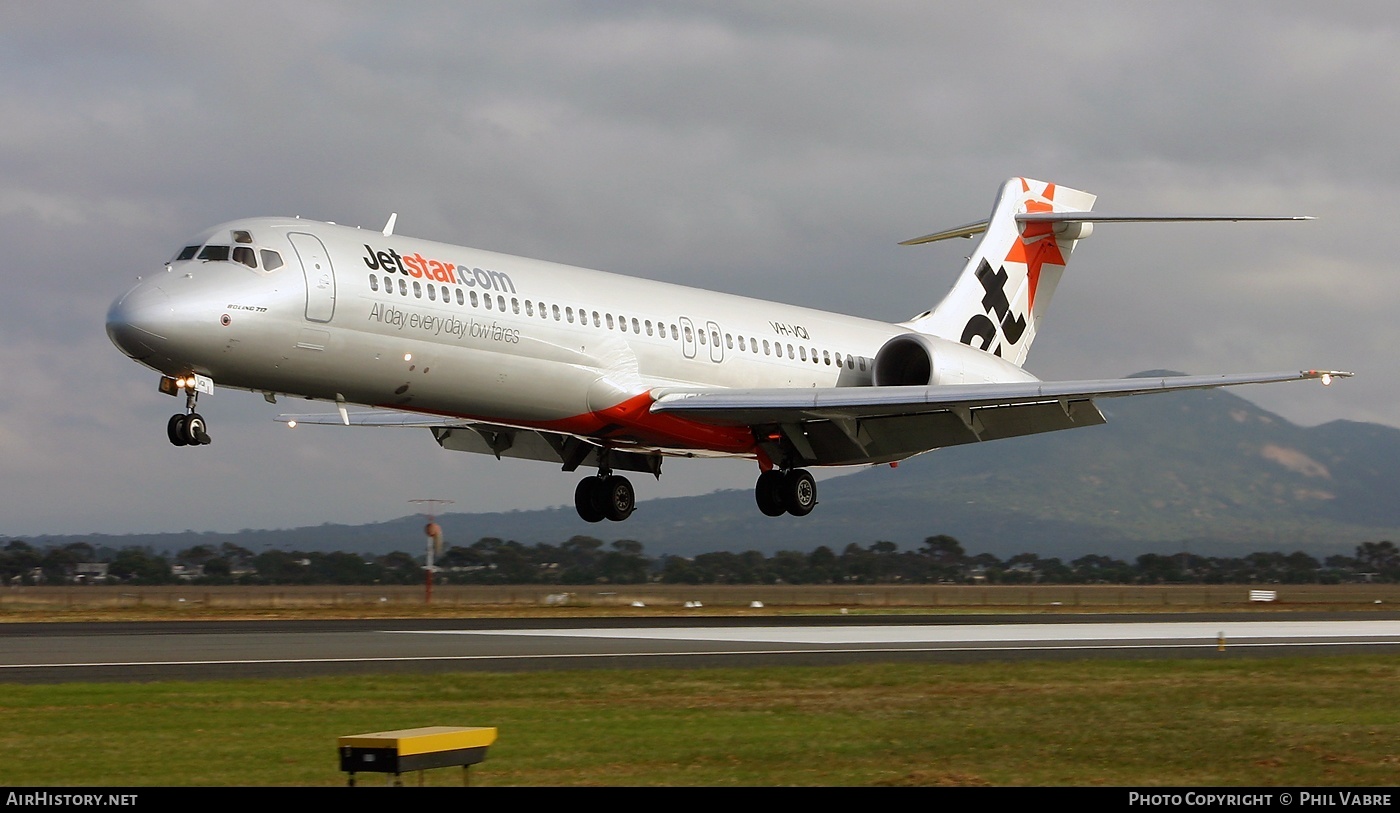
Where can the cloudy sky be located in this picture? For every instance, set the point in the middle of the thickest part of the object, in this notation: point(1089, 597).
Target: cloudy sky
point(775, 149)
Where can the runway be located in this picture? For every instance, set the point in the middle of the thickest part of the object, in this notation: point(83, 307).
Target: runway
point(49, 653)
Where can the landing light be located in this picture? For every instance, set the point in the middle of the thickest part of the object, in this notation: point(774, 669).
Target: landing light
point(291, 424)
point(408, 357)
point(1326, 379)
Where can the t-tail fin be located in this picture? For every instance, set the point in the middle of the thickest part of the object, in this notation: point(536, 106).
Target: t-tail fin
point(998, 301)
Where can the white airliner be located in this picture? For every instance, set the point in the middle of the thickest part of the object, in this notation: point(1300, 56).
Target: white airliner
point(524, 358)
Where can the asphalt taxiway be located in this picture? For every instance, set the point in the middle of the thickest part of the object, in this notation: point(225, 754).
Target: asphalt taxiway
point(143, 651)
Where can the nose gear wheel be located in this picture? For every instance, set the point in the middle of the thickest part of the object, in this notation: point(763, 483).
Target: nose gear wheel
point(187, 430)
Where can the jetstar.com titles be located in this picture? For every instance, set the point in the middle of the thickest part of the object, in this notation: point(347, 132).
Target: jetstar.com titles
point(416, 265)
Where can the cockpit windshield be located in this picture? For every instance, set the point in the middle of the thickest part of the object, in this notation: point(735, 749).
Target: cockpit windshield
point(243, 254)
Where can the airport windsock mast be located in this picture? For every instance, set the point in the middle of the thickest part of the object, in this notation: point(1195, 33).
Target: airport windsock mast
point(434, 534)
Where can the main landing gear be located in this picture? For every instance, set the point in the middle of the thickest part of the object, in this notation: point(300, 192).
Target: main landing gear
point(606, 496)
point(786, 492)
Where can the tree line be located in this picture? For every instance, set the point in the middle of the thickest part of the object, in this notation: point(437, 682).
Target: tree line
point(585, 560)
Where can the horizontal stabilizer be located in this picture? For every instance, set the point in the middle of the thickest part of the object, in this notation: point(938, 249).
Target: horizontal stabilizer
point(973, 229)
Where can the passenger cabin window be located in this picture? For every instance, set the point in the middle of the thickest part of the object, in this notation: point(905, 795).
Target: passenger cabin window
point(271, 260)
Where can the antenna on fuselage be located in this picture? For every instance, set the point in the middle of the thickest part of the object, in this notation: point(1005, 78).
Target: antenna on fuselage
point(389, 227)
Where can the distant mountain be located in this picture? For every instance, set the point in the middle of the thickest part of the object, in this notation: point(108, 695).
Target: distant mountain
point(1205, 471)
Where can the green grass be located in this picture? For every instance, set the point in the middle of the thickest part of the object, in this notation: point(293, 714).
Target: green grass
point(1256, 722)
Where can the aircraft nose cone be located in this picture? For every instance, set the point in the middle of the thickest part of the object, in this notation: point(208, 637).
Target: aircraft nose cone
point(135, 318)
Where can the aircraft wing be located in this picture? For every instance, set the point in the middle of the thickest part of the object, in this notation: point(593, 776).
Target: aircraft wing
point(377, 417)
point(852, 425)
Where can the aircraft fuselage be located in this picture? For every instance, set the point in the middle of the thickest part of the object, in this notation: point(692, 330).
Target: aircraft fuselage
point(355, 316)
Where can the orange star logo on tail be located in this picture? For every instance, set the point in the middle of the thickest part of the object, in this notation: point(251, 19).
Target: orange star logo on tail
point(1036, 244)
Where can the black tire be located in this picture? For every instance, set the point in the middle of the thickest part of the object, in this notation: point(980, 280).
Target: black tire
point(588, 499)
point(768, 493)
point(175, 430)
point(619, 500)
point(195, 434)
point(799, 492)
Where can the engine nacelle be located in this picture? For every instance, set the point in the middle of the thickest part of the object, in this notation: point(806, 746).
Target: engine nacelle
point(907, 360)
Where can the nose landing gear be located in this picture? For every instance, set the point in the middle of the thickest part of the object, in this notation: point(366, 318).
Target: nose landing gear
point(189, 428)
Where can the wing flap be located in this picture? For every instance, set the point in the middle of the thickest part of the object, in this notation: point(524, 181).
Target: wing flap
point(880, 439)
